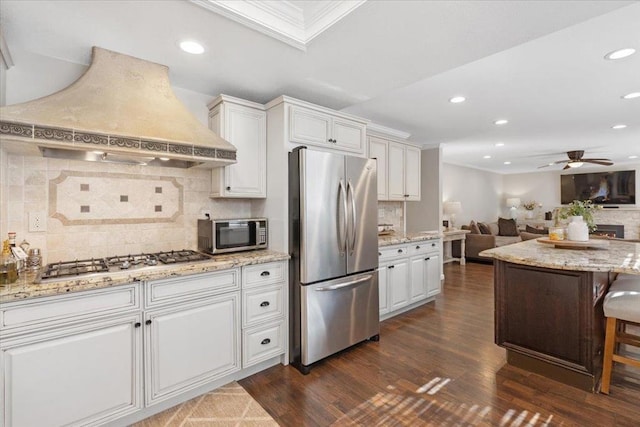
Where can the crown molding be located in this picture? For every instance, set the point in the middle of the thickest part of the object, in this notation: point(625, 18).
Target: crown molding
point(283, 20)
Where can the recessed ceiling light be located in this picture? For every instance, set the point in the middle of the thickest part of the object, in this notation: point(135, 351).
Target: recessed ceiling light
point(486, 157)
point(618, 126)
point(499, 144)
point(501, 122)
point(620, 53)
point(632, 95)
point(633, 157)
point(507, 163)
point(457, 99)
point(191, 46)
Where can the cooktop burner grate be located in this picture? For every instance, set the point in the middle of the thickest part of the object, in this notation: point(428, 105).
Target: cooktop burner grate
point(75, 268)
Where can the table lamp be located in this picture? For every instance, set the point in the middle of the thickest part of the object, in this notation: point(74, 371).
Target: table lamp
point(451, 209)
point(513, 204)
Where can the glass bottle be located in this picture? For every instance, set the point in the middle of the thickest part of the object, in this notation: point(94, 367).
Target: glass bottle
point(8, 265)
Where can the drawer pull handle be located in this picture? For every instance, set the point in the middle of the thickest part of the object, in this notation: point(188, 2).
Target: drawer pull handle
point(379, 253)
point(137, 324)
point(433, 244)
point(392, 266)
point(264, 304)
point(417, 247)
point(399, 251)
point(427, 259)
point(148, 322)
point(265, 341)
point(265, 274)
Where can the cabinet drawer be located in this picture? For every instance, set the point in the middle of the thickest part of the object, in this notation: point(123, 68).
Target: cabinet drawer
point(262, 304)
point(262, 343)
point(263, 274)
point(186, 288)
point(418, 248)
point(390, 252)
point(66, 309)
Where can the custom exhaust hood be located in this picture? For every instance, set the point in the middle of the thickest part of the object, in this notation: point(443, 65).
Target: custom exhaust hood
point(123, 110)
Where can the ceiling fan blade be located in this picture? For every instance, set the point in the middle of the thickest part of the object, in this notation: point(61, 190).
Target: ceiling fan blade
point(598, 162)
point(601, 160)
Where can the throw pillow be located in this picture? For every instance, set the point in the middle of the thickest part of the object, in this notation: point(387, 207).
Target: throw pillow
point(535, 230)
point(474, 228)
point(507, 227)
point(484, 228)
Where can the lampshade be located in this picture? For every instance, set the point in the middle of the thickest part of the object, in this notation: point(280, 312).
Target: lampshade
point(513, 202)
point(452, 208)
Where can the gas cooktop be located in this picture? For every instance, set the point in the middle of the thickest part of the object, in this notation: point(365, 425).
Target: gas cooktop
point(80, 268)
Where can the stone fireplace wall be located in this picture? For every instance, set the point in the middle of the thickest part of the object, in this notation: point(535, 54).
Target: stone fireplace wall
point(630, 218)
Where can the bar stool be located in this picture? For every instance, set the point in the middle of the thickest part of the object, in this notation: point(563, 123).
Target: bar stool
point(621, 307)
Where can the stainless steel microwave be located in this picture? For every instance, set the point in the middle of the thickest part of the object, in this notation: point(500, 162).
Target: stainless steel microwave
point(232, 235)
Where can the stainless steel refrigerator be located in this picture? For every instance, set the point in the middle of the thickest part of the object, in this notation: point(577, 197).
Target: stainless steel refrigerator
point(333, 237)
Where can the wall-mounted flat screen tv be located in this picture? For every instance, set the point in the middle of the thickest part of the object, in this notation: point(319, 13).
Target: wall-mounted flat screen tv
point(602, 188)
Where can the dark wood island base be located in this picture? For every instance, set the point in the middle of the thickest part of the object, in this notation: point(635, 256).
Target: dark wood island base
point(551, 321)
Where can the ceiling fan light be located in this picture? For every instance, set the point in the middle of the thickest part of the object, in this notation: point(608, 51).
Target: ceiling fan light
point(575, 164)
point(457, 99)
point(620, 126)
point(620, 53)
point(631, 95)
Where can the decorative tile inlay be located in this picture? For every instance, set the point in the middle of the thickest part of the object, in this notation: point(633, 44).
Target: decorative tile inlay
point(158, 190)
point(224, 154)
point(181, 149)
point(84, 187)
point(124, 142)
point(204, 152)
point(55, 134)
point(68, 204)
point(91, 138)
point(153, 145)
point(8, 128)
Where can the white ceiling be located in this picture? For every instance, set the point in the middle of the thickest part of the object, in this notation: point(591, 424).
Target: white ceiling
point(537, 63)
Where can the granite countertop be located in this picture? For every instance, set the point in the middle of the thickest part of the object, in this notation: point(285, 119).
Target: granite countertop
point(397, 238)
point(26, 286)
point(618, 257)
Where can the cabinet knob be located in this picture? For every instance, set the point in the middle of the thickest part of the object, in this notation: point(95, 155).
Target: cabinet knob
point(379, 253)
point(406, 195)
point(228, 188)
point(265, 274)
point(417, 247)
point(399, 251)
point(148, 322)
point(137, 324)
point(264, 304)
point(265, 341)
point(427, 259)
point(392, 266)
point(433, 244)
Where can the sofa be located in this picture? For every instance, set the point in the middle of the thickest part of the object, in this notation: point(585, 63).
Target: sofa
point(491, 235)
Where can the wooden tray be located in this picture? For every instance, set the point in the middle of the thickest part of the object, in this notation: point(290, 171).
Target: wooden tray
point(569, 244)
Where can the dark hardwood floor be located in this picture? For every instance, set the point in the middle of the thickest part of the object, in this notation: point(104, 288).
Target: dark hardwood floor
point(437, 365)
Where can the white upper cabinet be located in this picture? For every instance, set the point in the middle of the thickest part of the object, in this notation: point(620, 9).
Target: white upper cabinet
point(322, 127)
point(398, 167)
point(244, 124)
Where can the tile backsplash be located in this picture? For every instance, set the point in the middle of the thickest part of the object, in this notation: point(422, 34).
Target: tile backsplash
point(97, 209)
point(391, 213)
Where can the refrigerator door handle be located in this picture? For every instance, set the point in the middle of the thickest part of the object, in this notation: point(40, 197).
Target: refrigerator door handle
point(345, 285)
point(351, 230)
point(342, 219)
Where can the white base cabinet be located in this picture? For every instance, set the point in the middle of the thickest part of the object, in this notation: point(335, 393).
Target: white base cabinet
point(408, 275)
point(81, 375)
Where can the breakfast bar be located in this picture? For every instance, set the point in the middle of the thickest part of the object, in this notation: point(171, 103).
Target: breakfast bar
point(548, 305)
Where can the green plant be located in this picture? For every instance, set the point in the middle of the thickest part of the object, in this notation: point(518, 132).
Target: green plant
point(531, 205)
point(581, 208)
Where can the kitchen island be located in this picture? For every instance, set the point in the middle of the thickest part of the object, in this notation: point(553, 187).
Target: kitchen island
point(548, 306)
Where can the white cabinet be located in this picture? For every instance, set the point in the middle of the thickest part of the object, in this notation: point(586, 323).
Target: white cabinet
point(244, 124)
point(379, 150)
point(398, 169)
point(314, 127)
point(80, 372)
point(409, 275)
point(191, 344)
point(264, 302)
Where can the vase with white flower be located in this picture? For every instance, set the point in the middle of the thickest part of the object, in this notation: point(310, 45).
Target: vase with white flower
point(529, 207)
point(582, 222)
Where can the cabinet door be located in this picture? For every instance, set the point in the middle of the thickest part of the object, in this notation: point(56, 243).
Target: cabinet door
point(418, 281)
point(398, 284)
point(348, 135)
point(396, 171)
point(244, 127)
point(383, 294)
point(81, 375)
point(432, 275)
point(412, 173)
point(378, 150)
point(191, 344)
point(309, 127)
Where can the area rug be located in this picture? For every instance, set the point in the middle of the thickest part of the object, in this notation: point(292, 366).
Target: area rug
point(227, 406)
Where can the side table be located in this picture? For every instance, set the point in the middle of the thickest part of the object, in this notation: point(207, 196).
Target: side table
point(450, 236)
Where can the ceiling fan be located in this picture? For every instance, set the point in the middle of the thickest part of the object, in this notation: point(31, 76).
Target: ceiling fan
point(576, 160)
